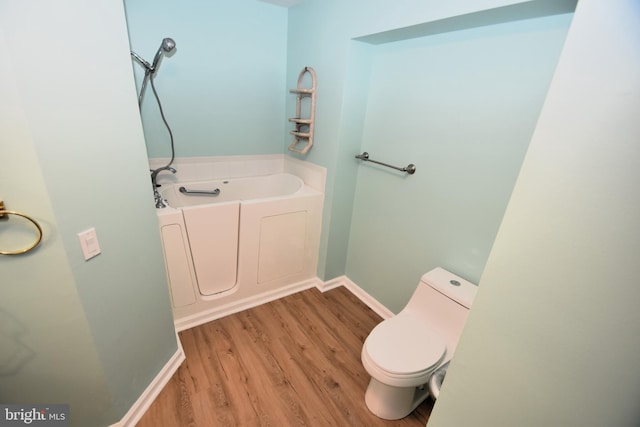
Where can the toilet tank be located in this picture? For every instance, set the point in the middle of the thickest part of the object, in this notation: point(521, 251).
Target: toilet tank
point(443, 300)
point(450, 285)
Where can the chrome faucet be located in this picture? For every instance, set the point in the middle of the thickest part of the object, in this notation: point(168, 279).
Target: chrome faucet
point(159, 201)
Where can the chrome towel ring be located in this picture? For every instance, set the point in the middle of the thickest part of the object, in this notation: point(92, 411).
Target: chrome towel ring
point(34, 244)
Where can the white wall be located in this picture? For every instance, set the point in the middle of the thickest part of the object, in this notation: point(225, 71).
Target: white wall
point(552, 339)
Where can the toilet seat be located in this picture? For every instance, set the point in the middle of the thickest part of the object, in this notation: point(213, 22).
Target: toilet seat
point(395, 348)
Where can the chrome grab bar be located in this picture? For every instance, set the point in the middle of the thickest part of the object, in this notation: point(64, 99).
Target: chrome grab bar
point(205, 192)
point(410, 169)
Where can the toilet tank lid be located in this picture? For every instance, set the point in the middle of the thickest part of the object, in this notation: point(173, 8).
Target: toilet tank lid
point(455, 287)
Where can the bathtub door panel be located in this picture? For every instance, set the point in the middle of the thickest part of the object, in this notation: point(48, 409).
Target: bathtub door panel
point(176, 255)
point(282, 245)
point(213, 236)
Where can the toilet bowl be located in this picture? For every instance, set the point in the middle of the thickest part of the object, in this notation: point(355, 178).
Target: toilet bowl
point(403, 352)
point(400, 365)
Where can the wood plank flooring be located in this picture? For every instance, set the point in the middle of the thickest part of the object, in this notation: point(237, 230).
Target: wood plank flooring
point(291, 362)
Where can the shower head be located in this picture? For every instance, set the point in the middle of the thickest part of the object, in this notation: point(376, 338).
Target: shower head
point(167, 45)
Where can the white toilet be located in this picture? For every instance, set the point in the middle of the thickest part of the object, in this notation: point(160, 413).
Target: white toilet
point(401, 353)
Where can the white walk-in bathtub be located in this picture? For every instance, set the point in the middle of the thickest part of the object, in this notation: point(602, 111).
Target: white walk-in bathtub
point(237, 242)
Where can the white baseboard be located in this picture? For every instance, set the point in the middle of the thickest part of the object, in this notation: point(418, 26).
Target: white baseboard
point(362, 295)
point(331, 284)
point(147, 397)
point(191, 321)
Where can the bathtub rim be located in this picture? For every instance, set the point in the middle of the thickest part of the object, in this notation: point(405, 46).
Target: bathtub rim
point(303, 191)
point(239, 166)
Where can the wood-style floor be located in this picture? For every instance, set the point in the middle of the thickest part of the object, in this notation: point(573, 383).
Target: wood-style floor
point(290, 362)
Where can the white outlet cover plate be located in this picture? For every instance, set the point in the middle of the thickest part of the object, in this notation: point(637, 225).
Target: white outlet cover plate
point(89, 243)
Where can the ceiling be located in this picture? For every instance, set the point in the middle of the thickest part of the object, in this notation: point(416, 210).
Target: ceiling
point(284, 3)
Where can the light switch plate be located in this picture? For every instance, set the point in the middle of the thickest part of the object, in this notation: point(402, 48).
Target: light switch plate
point(89, 243)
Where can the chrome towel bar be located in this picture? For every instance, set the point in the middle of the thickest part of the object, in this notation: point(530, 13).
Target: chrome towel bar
point(410, 169)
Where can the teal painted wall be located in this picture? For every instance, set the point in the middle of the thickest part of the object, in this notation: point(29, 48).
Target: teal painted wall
point(462, 106)
point(236, 60)
point(47, 352)
point(94, 333)
point(446, 94)
point(223, 88)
